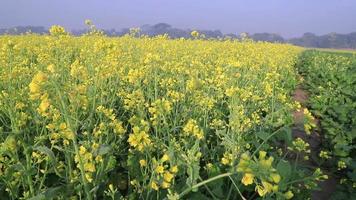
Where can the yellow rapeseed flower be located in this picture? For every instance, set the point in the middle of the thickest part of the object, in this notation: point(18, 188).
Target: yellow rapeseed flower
point(174, 169)
point(154, 185)
point(167, 176)
point(82, 150)
point(165, 185)
point(247, 179)
point(276, 178)
point(288, 195)
point(89, 167)
point(143, 163)
point(165, 158)
point(159, 169)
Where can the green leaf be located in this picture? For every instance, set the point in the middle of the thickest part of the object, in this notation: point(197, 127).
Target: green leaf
point(263, 135)
point(284, 169)
point(104, 149)
point(50, 193)
point(47, 151)
point(217, 185)
point(285, 134)
point(38, 197)
point(193, 166)
point(197, 195)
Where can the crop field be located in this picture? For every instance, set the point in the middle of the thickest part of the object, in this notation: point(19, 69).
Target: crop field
point(346, 51)
point(330, 78)
point(135, 117)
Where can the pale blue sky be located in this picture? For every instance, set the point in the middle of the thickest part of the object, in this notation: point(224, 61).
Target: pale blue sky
point(286, 17)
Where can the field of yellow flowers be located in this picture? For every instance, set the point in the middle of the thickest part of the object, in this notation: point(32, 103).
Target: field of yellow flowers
point(95, 117)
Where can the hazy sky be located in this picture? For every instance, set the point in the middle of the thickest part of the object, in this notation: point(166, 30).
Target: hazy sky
point(286, 17)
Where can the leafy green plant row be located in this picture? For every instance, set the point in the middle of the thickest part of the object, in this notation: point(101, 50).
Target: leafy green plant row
point(330, 79)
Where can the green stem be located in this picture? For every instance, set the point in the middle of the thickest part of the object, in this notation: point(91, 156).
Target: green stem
point(82, 172)
point(300, 180)
point(44, 176)
point(229, 194)
point(75, 145)
point(186, 191)
point(296, 162)
point(237, 188)
point(208, 189)
point(264, 141)
point(28, 166)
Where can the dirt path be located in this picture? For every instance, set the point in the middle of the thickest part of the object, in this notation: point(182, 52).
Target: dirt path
point(314, 140)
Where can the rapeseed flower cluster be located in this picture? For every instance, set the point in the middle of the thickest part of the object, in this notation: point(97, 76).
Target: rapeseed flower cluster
point(309, 121)
point(164, 174)
point(139, 138)
point(259, 172)
point(85, 160)
point(57, 30)
point(192, 128)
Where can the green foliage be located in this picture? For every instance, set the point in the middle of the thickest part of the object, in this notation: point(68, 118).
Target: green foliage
point(331, 80)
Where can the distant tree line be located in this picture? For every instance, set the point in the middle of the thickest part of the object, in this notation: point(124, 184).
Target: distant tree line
point(18, 30)
point(332, 40)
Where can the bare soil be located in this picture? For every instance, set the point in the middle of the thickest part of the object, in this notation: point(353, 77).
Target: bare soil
point(327, 187)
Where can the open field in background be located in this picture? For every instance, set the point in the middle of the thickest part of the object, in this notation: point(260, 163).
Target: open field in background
point(353, 51)
point(94, 117)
